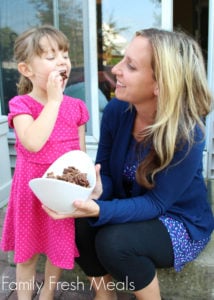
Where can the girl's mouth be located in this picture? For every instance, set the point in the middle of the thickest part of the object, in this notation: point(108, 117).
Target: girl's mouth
point(63, 74)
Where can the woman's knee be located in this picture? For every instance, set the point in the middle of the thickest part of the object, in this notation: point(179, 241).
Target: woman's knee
point(110, 243)
point(121, 259)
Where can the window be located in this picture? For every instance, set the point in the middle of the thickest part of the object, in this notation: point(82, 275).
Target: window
point(114, 22)
point(18, 16)
point(192, 17)
point(117, 22)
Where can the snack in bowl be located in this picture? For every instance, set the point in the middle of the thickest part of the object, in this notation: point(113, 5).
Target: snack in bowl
point(72, 175)
point(59, 195)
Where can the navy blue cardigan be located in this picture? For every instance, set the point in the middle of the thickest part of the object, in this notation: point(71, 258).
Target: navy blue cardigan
point(180, 191)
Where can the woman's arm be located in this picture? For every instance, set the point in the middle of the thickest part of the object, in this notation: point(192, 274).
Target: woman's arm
point(176, 185)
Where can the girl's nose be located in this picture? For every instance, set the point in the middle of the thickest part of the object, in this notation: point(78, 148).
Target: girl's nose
point(61, 60)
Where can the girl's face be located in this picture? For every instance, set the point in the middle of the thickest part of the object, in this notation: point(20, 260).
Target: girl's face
point(52, 61)
point(134, 74)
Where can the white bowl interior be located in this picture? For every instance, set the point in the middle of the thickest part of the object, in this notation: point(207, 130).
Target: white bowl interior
point(59, 195)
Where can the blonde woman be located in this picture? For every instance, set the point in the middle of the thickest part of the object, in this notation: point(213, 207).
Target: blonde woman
point(151, 210)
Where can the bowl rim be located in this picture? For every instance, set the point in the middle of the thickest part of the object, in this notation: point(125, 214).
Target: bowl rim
point(62, 182)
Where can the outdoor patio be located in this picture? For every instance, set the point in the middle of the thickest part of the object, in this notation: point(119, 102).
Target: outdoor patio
point(73, 284)
point(195, 282)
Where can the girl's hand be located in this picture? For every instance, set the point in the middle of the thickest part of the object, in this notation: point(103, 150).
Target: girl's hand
point(55, 87)
point(88, 208)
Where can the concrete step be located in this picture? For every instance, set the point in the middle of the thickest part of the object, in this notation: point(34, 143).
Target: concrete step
point(64, 290)
point(194, 282)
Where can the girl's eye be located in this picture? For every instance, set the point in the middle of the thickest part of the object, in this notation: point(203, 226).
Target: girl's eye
point(50, 57)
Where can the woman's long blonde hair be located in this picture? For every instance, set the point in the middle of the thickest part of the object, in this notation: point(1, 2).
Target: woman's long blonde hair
point(184, 98)
point(28, 45)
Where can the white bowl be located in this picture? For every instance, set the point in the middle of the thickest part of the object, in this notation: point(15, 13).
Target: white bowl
point(59, 195)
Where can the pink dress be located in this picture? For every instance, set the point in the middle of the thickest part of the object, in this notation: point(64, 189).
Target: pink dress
point(28, 230)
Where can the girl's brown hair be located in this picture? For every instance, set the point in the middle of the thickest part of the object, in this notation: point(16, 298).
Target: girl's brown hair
point(28, 45)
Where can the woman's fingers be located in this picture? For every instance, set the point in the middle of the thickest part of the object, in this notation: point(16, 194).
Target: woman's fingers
point(83, 209)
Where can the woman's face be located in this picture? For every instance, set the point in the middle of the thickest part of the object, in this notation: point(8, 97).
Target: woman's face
point(134, 74)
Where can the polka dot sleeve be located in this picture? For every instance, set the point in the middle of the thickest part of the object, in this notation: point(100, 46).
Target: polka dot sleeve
point(77, 108)
point(84, 114)
point(18, 106)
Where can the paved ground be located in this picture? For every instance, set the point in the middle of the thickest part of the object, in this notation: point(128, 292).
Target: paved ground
point(7, 289)
point(65, 290)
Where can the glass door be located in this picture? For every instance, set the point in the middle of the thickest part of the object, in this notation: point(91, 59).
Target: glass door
point(117, 22)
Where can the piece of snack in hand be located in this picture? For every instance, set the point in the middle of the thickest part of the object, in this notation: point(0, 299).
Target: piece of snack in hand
point(64, 75)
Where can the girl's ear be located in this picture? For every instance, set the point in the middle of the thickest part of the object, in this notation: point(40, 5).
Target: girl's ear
point(24, 69)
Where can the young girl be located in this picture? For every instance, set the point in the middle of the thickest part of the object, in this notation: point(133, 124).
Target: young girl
point(47, 124)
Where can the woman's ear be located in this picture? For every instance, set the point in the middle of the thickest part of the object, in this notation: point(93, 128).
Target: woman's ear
point(24, 69)
point(156, 90)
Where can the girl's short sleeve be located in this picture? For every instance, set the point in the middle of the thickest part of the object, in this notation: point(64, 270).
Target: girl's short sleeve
point(18, 106)
point(84, 114)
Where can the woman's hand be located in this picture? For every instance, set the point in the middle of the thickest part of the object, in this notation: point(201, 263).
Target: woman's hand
point(97, 191)
point(88, 208)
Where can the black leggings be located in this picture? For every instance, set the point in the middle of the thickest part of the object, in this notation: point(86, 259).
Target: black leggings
point(130, 252)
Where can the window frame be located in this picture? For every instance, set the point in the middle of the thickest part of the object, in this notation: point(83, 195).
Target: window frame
point(91, 70)
point(167, 14)
point(210, 76)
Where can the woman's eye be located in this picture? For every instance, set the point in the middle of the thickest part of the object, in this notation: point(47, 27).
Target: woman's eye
point(131, 67)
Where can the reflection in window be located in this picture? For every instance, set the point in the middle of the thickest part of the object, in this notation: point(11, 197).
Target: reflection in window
point(192, 17)
point(117, 22)
point(23, 14)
